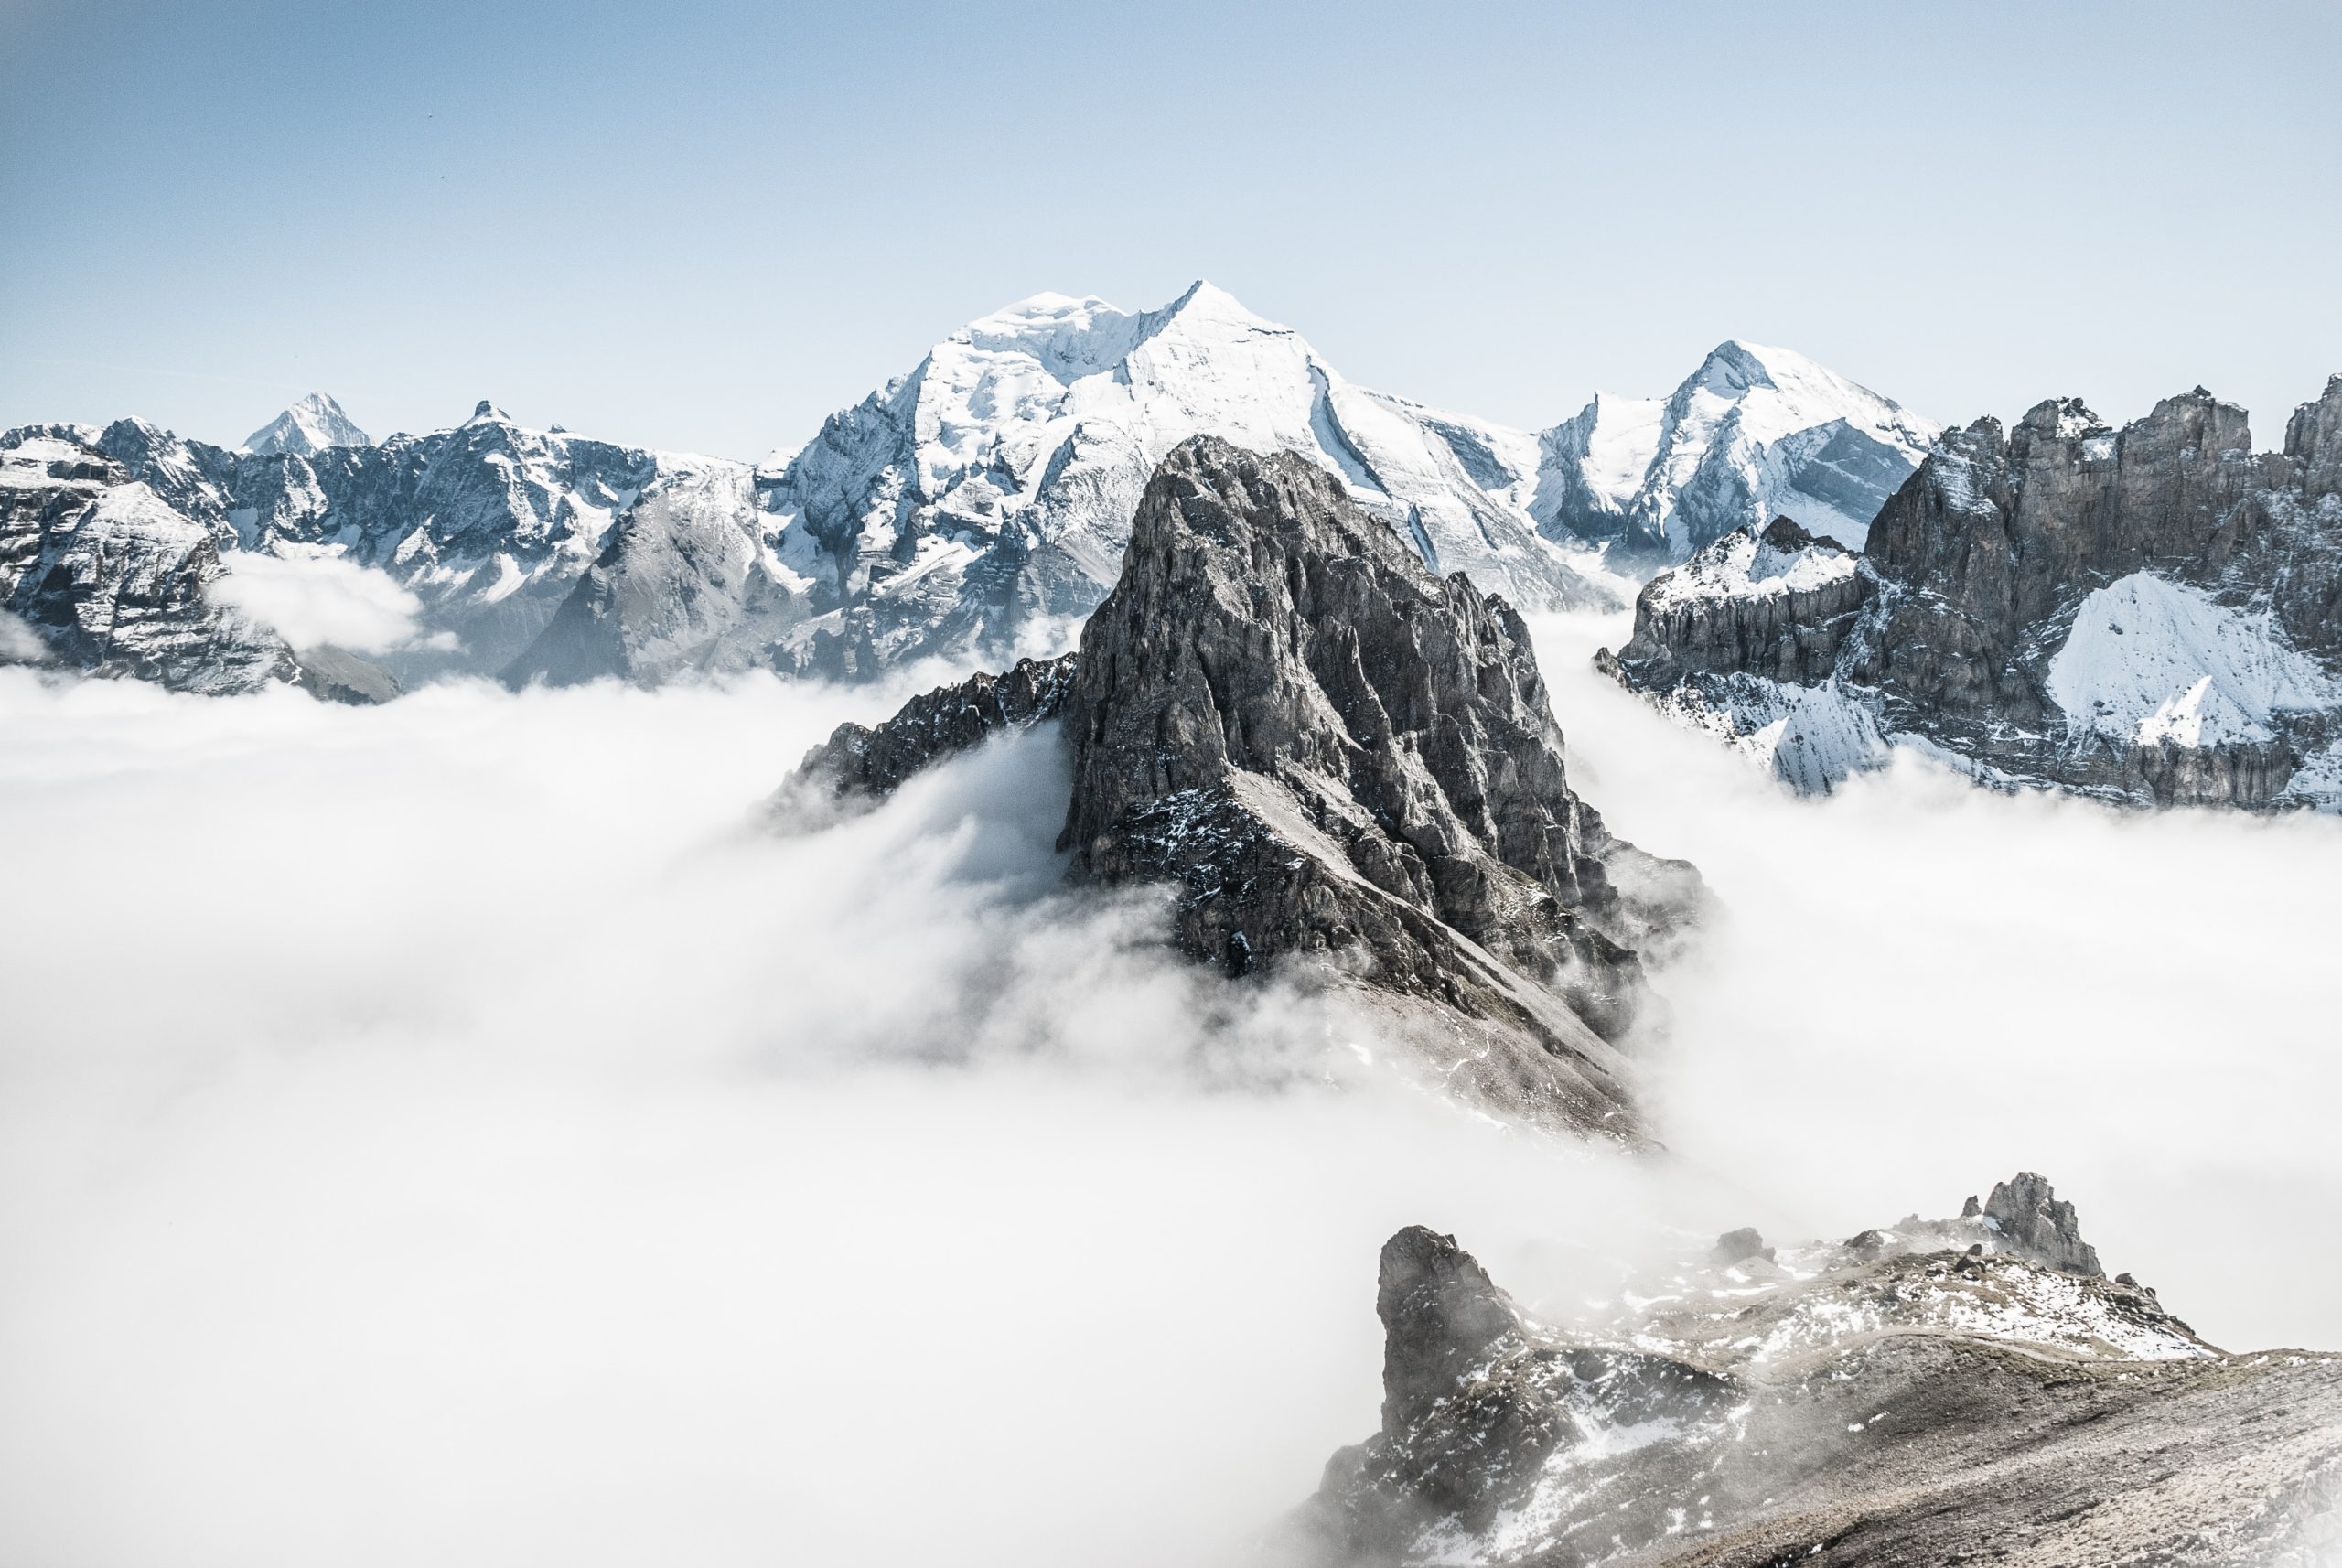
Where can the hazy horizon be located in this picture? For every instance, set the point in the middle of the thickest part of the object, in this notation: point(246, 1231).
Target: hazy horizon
point(710, 231)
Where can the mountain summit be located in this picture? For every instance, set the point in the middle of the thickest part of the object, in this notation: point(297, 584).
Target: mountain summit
point(307, 428)
point(1340, 766)
point(1754, 433)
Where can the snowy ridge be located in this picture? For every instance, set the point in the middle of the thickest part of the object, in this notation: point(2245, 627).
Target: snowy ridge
point(2149, 660)
point(1743, 564)
point(2145, 615)
point(975, 508)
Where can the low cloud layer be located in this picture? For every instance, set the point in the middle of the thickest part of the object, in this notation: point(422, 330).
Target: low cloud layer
point(453, 1132)
point(319, 601)
point(1918, 986)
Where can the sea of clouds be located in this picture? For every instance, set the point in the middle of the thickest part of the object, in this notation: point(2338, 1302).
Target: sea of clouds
point(464, 1130)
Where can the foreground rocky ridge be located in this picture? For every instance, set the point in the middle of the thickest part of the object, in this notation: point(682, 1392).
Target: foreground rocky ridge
point(1937, 1392)
point(1331, 756)
point(2152, 615)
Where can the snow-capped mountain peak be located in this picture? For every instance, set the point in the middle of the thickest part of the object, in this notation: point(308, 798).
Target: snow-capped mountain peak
point(1756, 432)
point(993, 487)
point(487, 413)
point(307, 428)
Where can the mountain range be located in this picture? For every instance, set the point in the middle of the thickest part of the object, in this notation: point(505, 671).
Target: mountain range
point(2151, 615)
point(974, 508)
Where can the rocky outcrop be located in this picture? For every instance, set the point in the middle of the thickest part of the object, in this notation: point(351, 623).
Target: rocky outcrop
point(2151, 615)
point(858, 763)
point(1337, 761)
point(2032, 1223)
point(1907, 1397)
point(1776, 604)
point(1479, 1401)
point(99, 574)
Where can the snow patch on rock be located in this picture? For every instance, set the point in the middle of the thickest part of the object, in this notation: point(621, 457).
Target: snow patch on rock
point(2149, 660)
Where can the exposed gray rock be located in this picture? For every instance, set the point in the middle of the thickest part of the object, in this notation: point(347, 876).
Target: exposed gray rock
point(860, 763)
point(1337, 758)
point(2034, 1224)
point(1903, 1402)
point(1739, 1246)
point(2151, 615)
point(1776, 604)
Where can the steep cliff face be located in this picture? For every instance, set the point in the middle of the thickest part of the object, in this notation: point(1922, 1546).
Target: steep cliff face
point(2152, 614)
point(1333, 757)
point(1935, 1391)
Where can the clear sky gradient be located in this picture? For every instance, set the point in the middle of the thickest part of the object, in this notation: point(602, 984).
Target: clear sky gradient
point(704, 225)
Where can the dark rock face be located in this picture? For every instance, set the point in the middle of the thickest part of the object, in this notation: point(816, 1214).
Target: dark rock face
point(1897, 1401)
point(1476, 1399)
point(1984, 615)
point(1333, 755)
point(1275, 672)
point(858, 762)
point(1440, 1315)
point(99, 574)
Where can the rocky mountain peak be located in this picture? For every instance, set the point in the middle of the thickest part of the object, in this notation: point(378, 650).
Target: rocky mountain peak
point(486, 412)
point(1341, 765)
point(2313, 440)
point(1441, 1316)
point(2029, 1213)
point(2063, 418)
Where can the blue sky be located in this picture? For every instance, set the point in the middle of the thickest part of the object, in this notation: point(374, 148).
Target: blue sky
point(705, 225)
